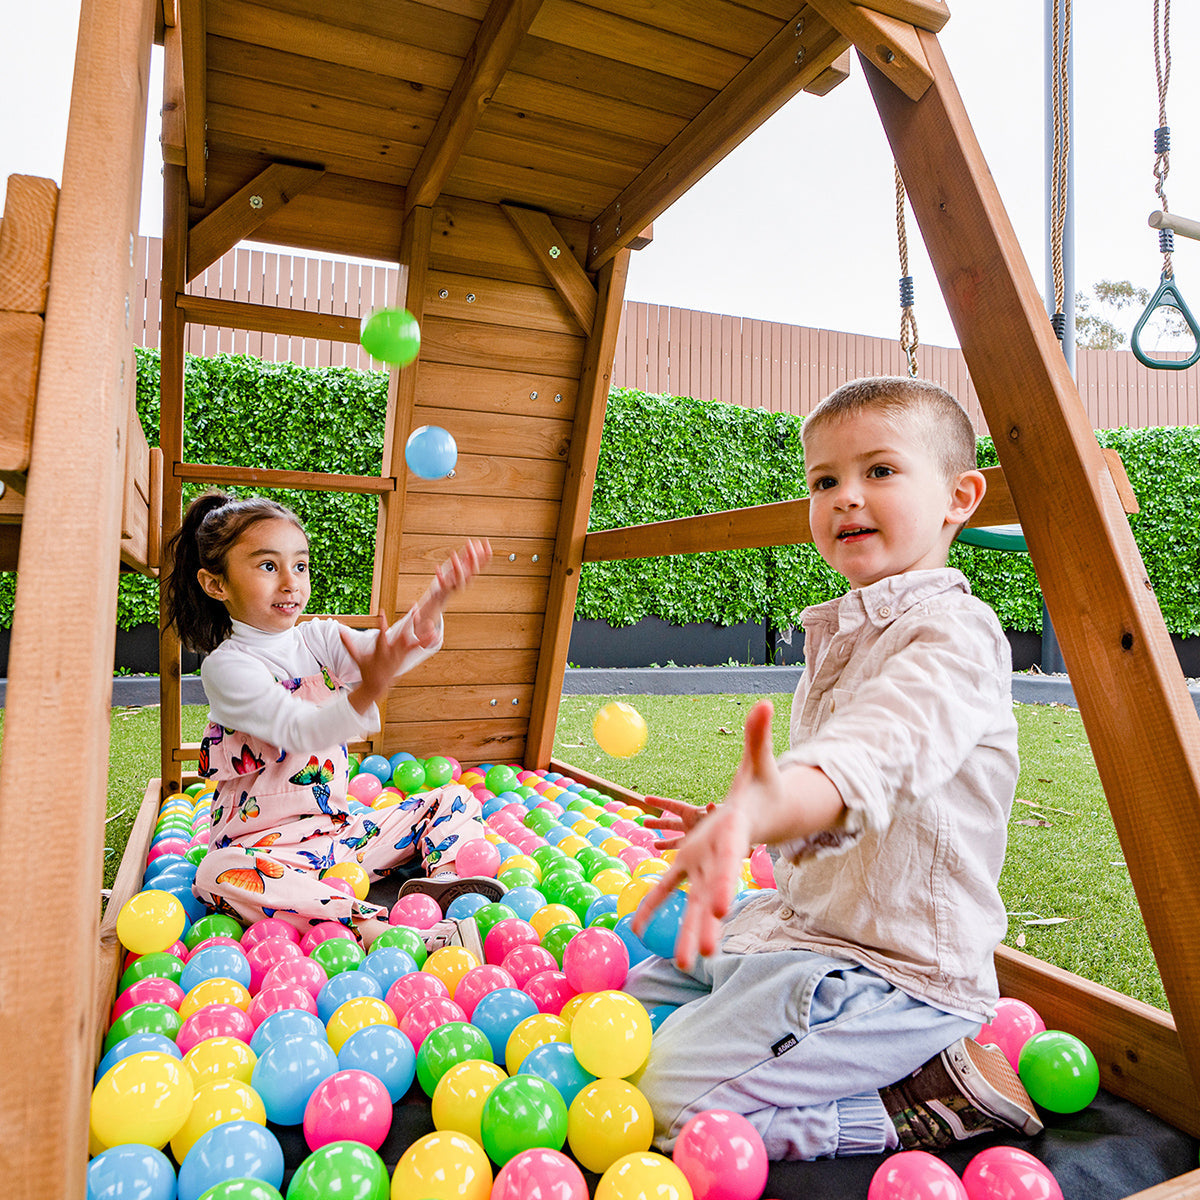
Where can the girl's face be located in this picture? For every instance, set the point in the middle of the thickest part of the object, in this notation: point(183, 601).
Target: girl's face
point(265, 583)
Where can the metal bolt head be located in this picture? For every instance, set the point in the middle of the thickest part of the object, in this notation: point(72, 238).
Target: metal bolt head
point(492, 703)
point(799, 55)
point(470, 297)
point(533, 395)
point(515, 702)
point(558, 398)
point(888, 55)
point(512, 558)
point(535, 558)
point(443, 293)
point(256, 202)
point(450, 473)
point(554, 251)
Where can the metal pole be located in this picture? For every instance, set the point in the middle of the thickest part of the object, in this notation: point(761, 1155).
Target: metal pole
point(1052, 659)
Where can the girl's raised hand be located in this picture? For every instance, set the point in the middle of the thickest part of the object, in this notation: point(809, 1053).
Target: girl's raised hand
point(452, 576)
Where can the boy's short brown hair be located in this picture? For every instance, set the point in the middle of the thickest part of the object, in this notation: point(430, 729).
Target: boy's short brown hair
point(916, 405)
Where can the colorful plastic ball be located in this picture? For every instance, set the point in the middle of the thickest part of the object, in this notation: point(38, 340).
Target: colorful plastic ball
point(409, 989)
point(136, 1043)
point(391, 335)
point(762, 868)
point(638, 949)
point(1006, 1173)
point(524, 901)
point(446, 1046)
point(354, 874)
point(220, 1058)
point(387, 965)
point(151, 990)
point(555, 1062)
point(214, 991)
point(364, 787)
point(497, 1015)
point(611, 1034)
point(323, 932)
point(450, 964)
point(212, 925)
point(608, 1119)
point(477, 857)
point(505, 936)
point(217, 1020)
point(409, 776)
point(532, 1032)
point(722, 1155)
point(268, 927)
point(383, 1051)
point(349, 985)
point(263, 955)
point(160, 964)
point(151, 920)
point(348, 1106)
point(416, 910)
point(460, 1094)
point(347, 1169)
point(276, 998)
point(663, 927)
point(242, 1189)
point(287, 1073)
point(1014, 1024)
point(550, 916)
point(423, 1017)
point(500, 778)
point(430, 452)
point(285, 1023)
point(558, 939)
point(214, 1104)
point(354, 1015)
point(233, 1150)
point(1059, 1072)
point(150, 1017)
point(578, 897)
point(336, 955)
point(619, 729)
point(439, 771)
point(297, 972)
point(144, 1098)
point(216, 962)
point(915, 1175)
point(522, 1112)
point(539, 1174)
point(131, 1170)
point(466, 905)
point(403, 938)
point(549, 990)
point(640, 1174)
point(377, 765)
point(491, 914)
point(525, 961)
point(445, 1165)
point(476, 984)
point(595, 960)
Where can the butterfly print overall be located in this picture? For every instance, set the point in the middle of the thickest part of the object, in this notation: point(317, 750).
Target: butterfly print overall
point(280, 818)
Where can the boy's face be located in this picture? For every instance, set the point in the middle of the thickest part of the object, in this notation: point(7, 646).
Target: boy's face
point(879, 504)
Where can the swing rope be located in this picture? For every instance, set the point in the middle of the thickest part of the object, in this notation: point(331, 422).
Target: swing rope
point(1060, 100)
point(909, 341)
point(1168, 294)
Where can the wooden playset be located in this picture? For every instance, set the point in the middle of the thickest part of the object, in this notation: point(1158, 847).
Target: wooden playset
point(509, 155)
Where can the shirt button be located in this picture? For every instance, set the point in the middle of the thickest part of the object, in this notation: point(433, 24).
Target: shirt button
point(885, 611)
point(786, 914)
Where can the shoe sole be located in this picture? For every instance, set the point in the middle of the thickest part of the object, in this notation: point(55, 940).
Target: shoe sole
point(992, 1085)
point(446, 891)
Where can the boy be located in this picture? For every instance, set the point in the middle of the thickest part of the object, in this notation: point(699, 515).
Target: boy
point(871, 962)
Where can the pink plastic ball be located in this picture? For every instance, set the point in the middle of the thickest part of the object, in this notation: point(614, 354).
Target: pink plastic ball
point(915, 1175)
point(322, 933)
point(722, 1156)
point(632, 855)
point(596, 960)
point(1015, 1023)
point(348, 1106)
point(269, 927)
point(340, 885)
point(262, 956)
point(200, 838)
point(167, 846)
point(408, 989)
point(552, 807)
point(416, 910)
point(762, 869)
point(214, 1020)
point(297, 972)
point(275, 999)
point(505, 936)
point(539, 1174)
point(477, 857)
point(549, 990)
point(218, 939)
point(151, 990)
point(423, 1017)
point(1006, 1173)
point(524, 962)
point(364, 787)
point(643, 837)
point(476, 984)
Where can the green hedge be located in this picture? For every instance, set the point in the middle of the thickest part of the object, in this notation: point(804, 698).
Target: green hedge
point(660, 457)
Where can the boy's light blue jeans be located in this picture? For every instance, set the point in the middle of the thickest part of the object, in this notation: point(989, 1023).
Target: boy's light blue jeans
point(796, 1042)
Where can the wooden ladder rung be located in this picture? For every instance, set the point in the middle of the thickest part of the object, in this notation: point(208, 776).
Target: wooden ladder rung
point(309, 481)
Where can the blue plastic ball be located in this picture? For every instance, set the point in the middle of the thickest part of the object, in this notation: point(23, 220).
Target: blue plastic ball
point(634, 944)
point(498, 1013)
point(663, 928)
point(387, 964)
point(216, 962)
point(430, 452)
point(467, 905)
point(135, 1043)
point(382, 1051)
point(131, 1170)
point(556, 1063)
point(377, 765)
point(659, 1013)
point(347, 985)
point(287, 1074)
point(288, 1022)
point(231, 1150)
point(524, 901)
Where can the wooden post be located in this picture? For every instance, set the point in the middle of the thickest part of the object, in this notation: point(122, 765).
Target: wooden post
point(573, 513)
point(1143, 728)
point(60, 665)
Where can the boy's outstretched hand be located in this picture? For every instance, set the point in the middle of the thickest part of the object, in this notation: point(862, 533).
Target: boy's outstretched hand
point(678, 818)
point(763, 804)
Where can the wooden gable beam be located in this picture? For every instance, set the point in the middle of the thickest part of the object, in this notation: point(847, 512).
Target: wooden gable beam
point(564, 272)
point(185, 102)
point(924, 14)
point(500, 33)
point(245, 211)
point(803, 50)
point(888, 42)
point(1142, 725)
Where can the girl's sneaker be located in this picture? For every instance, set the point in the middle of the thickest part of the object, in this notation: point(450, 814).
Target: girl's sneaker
point(964, 1091)
point(447, 887)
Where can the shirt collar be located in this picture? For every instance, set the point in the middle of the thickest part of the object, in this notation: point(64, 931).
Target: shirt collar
point(885, 600)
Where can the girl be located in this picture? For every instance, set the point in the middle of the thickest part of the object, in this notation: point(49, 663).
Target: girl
point(284, 699)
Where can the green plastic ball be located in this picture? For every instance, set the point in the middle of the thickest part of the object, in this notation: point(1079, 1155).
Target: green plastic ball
point(213, 925)
point(159, 963)
point(500, 778)
point(340, 1169)
point(446, 1045)
point(337, 954)
point(1059, 1072)
point(409, 776)
point(520, 1113)
point(556, 939)
point(489, 915)
point(150, 1017)
point(438, 771)
point(391, 335)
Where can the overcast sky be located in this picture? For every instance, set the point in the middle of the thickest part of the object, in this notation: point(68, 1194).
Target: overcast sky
point(798, 225)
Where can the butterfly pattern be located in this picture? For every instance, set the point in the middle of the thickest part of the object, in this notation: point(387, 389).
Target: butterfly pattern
point(253, 879)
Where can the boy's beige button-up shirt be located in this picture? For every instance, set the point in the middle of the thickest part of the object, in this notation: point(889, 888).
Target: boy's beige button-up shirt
point(906, 705)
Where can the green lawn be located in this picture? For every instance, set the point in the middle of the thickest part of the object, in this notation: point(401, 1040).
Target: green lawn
point(1064, 862)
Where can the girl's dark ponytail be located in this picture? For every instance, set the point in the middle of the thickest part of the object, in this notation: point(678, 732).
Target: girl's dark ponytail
point(211, 525)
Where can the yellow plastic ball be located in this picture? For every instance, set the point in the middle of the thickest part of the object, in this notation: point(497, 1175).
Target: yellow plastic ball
point(214, 991)
point(631, 812)
point(386, 800)
point(355, 1014)
point(548, 916)
point(568, 1010)
point(492, 836)
point(585, 826)
point(630, 896)
point(470, 778)
point(607, 1120)
point(643, 1173)
point(572, 844)
point(614, 845)
point(519, 862)
point(612, 881)
point(592, 811)
point(213, 1105)
point(450, 964)
point(539, 1030)
point(354, 874)
point(619, 729)
point(220, 1058)
point(460, 1094)
point(446, 1165)
point(150, 921)
point(611, 1034)
point(650, 866)
point(668, 856)
point(144, 1098)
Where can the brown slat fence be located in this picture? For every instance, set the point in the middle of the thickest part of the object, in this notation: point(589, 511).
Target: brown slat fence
point(677, 351)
